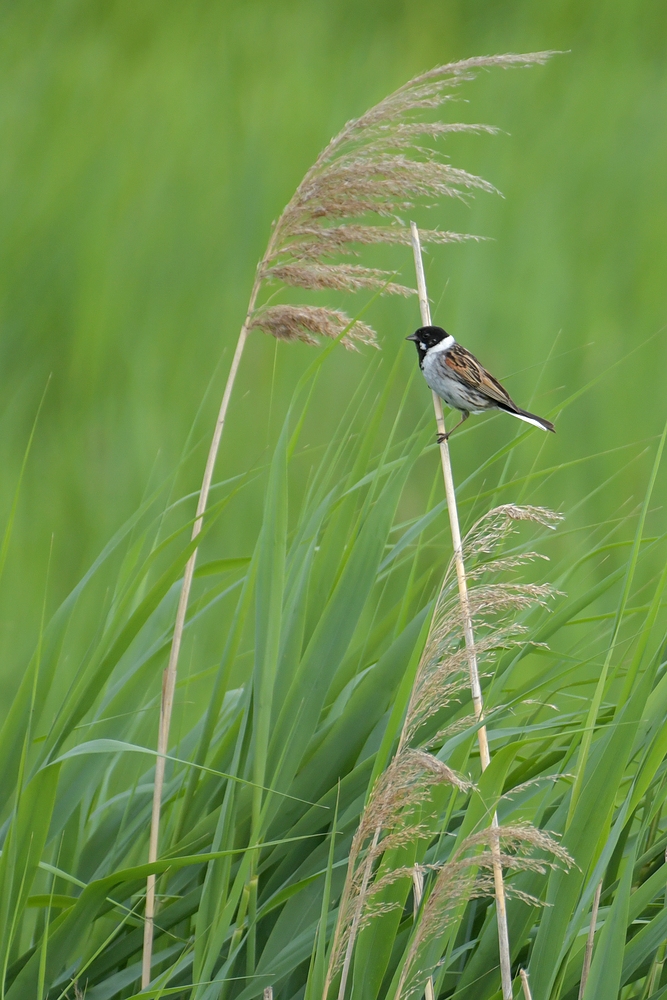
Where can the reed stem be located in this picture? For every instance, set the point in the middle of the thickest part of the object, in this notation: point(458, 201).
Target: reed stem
point(355, 923)
point(525, 985)
point(169, 675)
point(418, 893)
point(588, 954)
point(475, 687)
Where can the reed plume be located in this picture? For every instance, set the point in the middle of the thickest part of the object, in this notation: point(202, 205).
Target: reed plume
point(390, 817)
point(378, 166)
point(388, 821)
point(469, 874)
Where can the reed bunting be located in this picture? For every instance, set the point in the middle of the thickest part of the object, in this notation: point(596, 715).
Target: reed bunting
point(459, 379)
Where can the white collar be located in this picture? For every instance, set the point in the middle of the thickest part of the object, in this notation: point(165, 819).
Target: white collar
point(444, 345)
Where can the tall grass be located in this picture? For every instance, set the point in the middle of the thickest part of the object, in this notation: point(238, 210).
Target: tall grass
point(241, 906)
point(280, 744)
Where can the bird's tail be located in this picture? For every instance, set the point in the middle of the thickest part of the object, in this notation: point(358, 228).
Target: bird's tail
point(530, 418)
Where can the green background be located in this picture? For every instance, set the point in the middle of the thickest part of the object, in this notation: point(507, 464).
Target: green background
point(146, 147)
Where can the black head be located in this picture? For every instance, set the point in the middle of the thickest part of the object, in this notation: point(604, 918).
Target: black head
point(426, 337)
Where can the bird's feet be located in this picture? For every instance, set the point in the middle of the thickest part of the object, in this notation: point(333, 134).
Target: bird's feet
point(445, 437)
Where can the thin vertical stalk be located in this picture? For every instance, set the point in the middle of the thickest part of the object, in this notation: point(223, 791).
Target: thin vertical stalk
point(525, 985)
point(355, 925)
point(588, 954)
point(418, 892)
point(169, 675)
point(475, 687)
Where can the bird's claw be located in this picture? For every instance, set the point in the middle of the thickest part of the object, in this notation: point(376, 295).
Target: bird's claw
point(443, 437)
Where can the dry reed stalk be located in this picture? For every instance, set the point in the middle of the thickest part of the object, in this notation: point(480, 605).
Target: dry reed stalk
point(169, 676)
point(418, 891)
point(375, 166)
point(475, 687)
point(588, 954)
point(356, 923)
point(525, 985)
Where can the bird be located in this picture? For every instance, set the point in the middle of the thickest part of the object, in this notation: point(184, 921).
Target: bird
point(456, 375)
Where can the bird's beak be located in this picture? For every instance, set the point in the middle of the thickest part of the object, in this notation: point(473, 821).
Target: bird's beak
point(413, 336)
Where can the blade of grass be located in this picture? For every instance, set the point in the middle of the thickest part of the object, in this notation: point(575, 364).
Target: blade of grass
point(627, 586)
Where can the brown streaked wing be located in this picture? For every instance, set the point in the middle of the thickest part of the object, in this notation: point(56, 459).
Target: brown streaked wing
point(469, 370)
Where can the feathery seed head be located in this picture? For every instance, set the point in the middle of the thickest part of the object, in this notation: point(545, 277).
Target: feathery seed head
point(379, 166)
point(441, 674)
point(301, 322)
point(468, 874)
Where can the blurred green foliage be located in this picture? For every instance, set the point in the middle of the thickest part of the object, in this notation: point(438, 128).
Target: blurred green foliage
point(146, 147)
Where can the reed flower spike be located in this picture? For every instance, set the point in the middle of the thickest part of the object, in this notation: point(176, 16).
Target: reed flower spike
point(469, 874)
point(379, 166)
point(396, 808)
